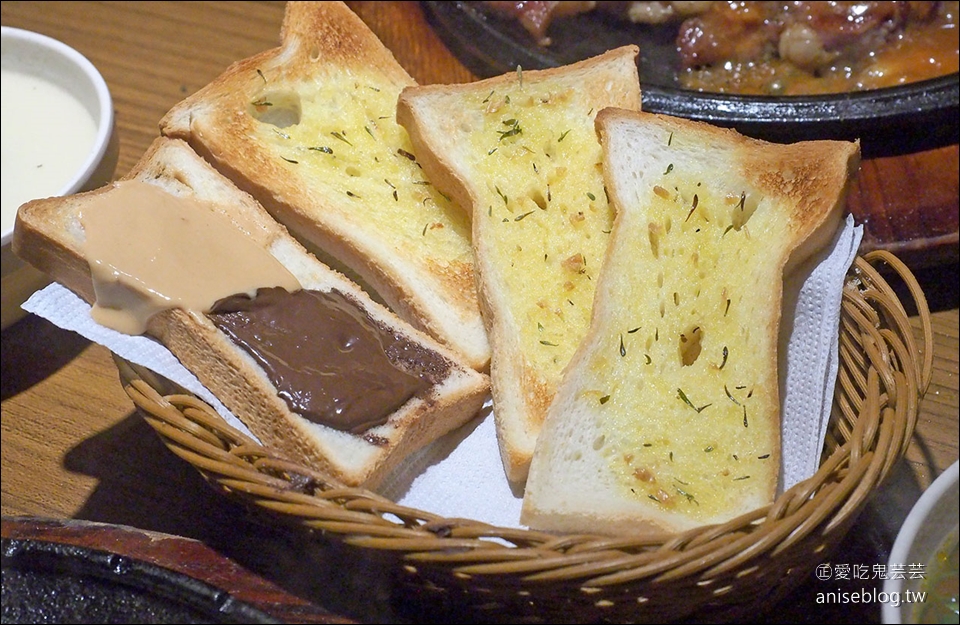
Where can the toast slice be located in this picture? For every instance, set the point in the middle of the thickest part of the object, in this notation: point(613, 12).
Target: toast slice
point(65, 237)
point(521, 152)
point(309, 130)
point(668, 415)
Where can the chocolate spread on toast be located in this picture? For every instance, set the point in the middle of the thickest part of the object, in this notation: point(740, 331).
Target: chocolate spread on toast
point(329, 361)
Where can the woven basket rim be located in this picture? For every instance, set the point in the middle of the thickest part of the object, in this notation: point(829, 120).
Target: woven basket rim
point(885, 370)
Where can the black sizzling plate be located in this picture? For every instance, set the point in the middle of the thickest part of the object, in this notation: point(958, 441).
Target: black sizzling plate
point(49, 582)
point(895, 120)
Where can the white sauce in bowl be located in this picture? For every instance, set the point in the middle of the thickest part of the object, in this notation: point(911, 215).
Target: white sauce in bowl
point(47, 137)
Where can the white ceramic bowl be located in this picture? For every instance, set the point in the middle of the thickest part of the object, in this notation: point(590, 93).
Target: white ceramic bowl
point(35, 64)
point(931, 522)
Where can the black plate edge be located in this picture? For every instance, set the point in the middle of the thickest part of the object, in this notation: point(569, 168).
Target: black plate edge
point(905, 119)
point(888, 122)
point(33, 554)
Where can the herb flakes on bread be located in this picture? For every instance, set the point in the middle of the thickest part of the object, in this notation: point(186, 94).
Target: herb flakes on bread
point(181, 197)
point(521, 153)
point(668, 415)
point(309, 130)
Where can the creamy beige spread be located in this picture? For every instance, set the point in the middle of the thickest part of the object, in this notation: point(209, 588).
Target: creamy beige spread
point(331, 363)
point(150, 250)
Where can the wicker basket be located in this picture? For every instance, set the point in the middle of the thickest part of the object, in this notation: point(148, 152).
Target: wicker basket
point(715, 573)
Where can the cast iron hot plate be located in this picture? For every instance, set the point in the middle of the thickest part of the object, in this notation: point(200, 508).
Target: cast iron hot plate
point(895, 120)
point(48, 582)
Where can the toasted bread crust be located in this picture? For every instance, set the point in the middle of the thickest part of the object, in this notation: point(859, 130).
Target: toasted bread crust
point(324, 44)
point(442, 121)
point(49, 236)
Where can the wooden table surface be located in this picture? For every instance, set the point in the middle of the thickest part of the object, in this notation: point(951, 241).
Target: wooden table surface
point(73, 448)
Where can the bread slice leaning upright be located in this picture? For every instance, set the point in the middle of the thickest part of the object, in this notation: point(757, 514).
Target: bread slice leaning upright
point(521, 153)
point(176, 227)
point(309, 129)
point(668, 415)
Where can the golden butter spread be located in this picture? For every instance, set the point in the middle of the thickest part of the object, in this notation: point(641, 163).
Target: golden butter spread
point(543, 214)
point(691, 352)
point(343, 131)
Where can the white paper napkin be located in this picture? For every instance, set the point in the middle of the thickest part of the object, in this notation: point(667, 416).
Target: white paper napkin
point(63, 308)
point(811, 334)
point(461, 475)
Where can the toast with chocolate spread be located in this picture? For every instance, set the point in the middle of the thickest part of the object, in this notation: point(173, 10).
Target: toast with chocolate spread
point(668, 415)
point(521, 153)
point(294, 349)
point(309, 130)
